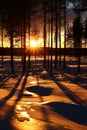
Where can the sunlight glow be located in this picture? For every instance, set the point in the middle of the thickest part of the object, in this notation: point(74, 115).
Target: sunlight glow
point(33, 43)
point(30, 94)
point(19, 108)
point(33, 82)
point(24, 114)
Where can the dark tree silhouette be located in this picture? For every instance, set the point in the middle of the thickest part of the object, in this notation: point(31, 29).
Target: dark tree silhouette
point(64, 33)
point(69, 35)
point(15, 17)
point(59, 27)
point(44, 33)
point(77, 36)
point(2, 33)
point(85, 32)
point(77, 32)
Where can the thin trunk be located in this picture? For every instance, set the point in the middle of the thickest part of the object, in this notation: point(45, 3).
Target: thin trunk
point(51, 34)
point(49, 29)
point(56, 33)
point(49, 41)
point(29, 36)
point(64, 33)
point(59, 32)
point(21, 43)
point(24, 31)
point(11, 47)
point(44, 33)
point(2, 45)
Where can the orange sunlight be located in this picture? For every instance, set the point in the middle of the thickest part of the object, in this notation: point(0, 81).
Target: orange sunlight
point(33, 43)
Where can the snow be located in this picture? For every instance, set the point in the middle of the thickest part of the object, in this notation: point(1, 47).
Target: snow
point(39, 101)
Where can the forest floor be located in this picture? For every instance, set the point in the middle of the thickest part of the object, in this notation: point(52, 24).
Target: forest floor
point(37, 100)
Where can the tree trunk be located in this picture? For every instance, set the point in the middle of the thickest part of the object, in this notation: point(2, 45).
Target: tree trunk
point(44, 33)
point(51, 34)
point(2, 46)
point(49, 41)
point(64, 33)
point(29, 36)
point(59, 32)
point(11, 47)
point(24, 31)
point(56, 33)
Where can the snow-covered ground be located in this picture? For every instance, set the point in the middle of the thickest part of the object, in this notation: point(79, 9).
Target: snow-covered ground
point(40, 101)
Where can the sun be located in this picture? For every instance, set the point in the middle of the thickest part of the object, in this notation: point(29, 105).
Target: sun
point(32, 43)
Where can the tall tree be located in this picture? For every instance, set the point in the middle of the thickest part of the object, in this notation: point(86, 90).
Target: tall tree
point(15, 15)
point(64, 33)
point(2, 44)
point(77, 36)
point(77, 31)
point(85, 32)
point(59, 21)
point(51, 36)
point(56, 33)
point(44, 6)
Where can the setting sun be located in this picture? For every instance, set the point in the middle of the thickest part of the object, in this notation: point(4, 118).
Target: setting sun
point(33, 43)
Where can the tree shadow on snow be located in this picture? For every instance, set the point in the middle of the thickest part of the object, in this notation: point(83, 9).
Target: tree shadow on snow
point(42, 91)
point(78, 79)
point(76, 113)
point(6, 122)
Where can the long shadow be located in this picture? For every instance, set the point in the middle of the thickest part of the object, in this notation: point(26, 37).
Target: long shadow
point(5, 124)
point(5, 80)
point(20, 94)
point(6, 121)
point(36, 67)
point(41, 91)
point(13, 91)
point(68, 92)
point(82, 82)
point(78, 80)
point(76, 113)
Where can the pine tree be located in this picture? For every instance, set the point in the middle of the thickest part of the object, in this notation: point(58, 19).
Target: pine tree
point(77, 36)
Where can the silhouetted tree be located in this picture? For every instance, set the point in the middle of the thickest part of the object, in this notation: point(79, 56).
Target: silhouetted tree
point(85, 32)
point(77, 32)
point(44, 33)
point(56, 33)
point(77, 36)
point(15, 15)
point(59, 31)
point(64, 33)
point(2, 46)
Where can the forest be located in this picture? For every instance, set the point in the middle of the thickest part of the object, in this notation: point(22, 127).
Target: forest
point(49, 20)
